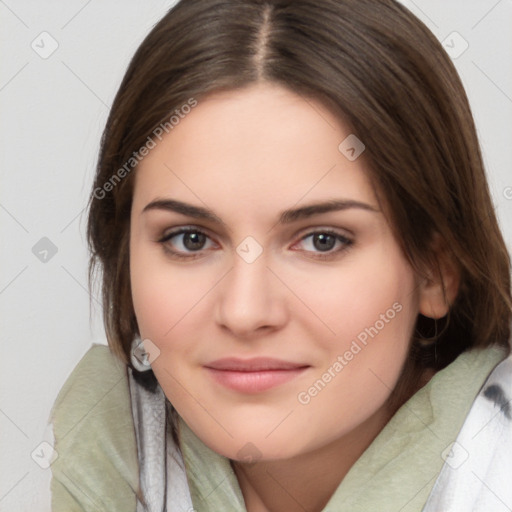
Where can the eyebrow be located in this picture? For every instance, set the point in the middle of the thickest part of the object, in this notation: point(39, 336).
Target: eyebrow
point(285, 217)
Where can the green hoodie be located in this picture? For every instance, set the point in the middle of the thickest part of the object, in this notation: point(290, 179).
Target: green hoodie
point(97, 468)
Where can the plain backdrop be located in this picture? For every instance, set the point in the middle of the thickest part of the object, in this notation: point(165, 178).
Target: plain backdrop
point(62, 62)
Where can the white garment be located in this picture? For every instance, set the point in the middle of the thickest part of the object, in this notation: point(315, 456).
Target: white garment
point(477, 473)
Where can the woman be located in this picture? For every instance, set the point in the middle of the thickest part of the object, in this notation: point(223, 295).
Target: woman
point(253, 365)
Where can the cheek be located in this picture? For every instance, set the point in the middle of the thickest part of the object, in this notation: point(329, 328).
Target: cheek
point(166, 299)
point(152, 294)
point(371, 296)
point(372, 311)
point(363, 361)
point(370, 308)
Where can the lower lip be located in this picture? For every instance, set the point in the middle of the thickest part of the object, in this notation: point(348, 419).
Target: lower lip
point(253, 382)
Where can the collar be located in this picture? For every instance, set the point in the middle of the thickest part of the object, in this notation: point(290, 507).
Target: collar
point(399, 468)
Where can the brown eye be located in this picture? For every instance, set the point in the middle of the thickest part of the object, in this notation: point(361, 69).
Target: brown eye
point(323, 242)
point(184, 242)
point(193, 241)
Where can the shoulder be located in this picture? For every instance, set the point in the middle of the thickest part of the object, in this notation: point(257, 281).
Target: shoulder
point(481, 453)
point(97, 368)
point(94, 434)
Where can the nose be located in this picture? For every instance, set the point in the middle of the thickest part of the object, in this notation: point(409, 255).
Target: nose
point(251, 299)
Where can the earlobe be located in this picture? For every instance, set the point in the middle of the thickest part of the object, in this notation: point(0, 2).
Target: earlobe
point(432, 301)
point(439, 288)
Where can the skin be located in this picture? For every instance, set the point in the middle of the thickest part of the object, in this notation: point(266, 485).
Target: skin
point(247, 155)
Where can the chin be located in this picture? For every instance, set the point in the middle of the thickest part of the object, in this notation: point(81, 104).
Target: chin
point(252, 445)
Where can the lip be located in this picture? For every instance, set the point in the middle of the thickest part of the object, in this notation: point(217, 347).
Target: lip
point(253, 375)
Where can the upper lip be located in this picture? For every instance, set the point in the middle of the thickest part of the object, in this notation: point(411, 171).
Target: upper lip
point(253, 365)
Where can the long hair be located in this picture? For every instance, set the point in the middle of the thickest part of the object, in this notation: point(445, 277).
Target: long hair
point(384, 74)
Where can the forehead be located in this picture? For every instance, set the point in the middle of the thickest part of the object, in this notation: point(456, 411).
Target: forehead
point(254, 147)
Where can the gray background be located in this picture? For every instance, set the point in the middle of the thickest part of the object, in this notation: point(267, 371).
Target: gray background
point(53, 110)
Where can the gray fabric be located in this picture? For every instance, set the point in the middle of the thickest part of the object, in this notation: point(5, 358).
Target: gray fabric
point(162, 474)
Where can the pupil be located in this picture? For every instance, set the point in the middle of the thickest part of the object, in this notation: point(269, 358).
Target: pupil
point(197, 240)
point(322, 238)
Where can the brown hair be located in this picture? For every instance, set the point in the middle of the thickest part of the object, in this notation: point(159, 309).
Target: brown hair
point(384, 73)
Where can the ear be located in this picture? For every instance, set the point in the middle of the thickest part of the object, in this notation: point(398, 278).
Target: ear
point(441, 283)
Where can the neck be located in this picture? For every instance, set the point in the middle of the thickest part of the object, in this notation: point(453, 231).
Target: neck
point(306, 481)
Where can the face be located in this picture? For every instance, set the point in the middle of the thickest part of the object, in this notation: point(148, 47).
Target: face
point(281, 326)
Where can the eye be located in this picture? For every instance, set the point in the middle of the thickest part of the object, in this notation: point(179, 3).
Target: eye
point(184, 242)
point(189, 243)
point(323, 242)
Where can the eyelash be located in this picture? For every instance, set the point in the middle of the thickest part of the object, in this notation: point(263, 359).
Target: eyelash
point(347, 243)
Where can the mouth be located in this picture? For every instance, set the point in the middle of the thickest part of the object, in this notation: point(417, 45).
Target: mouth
point(253, 375)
